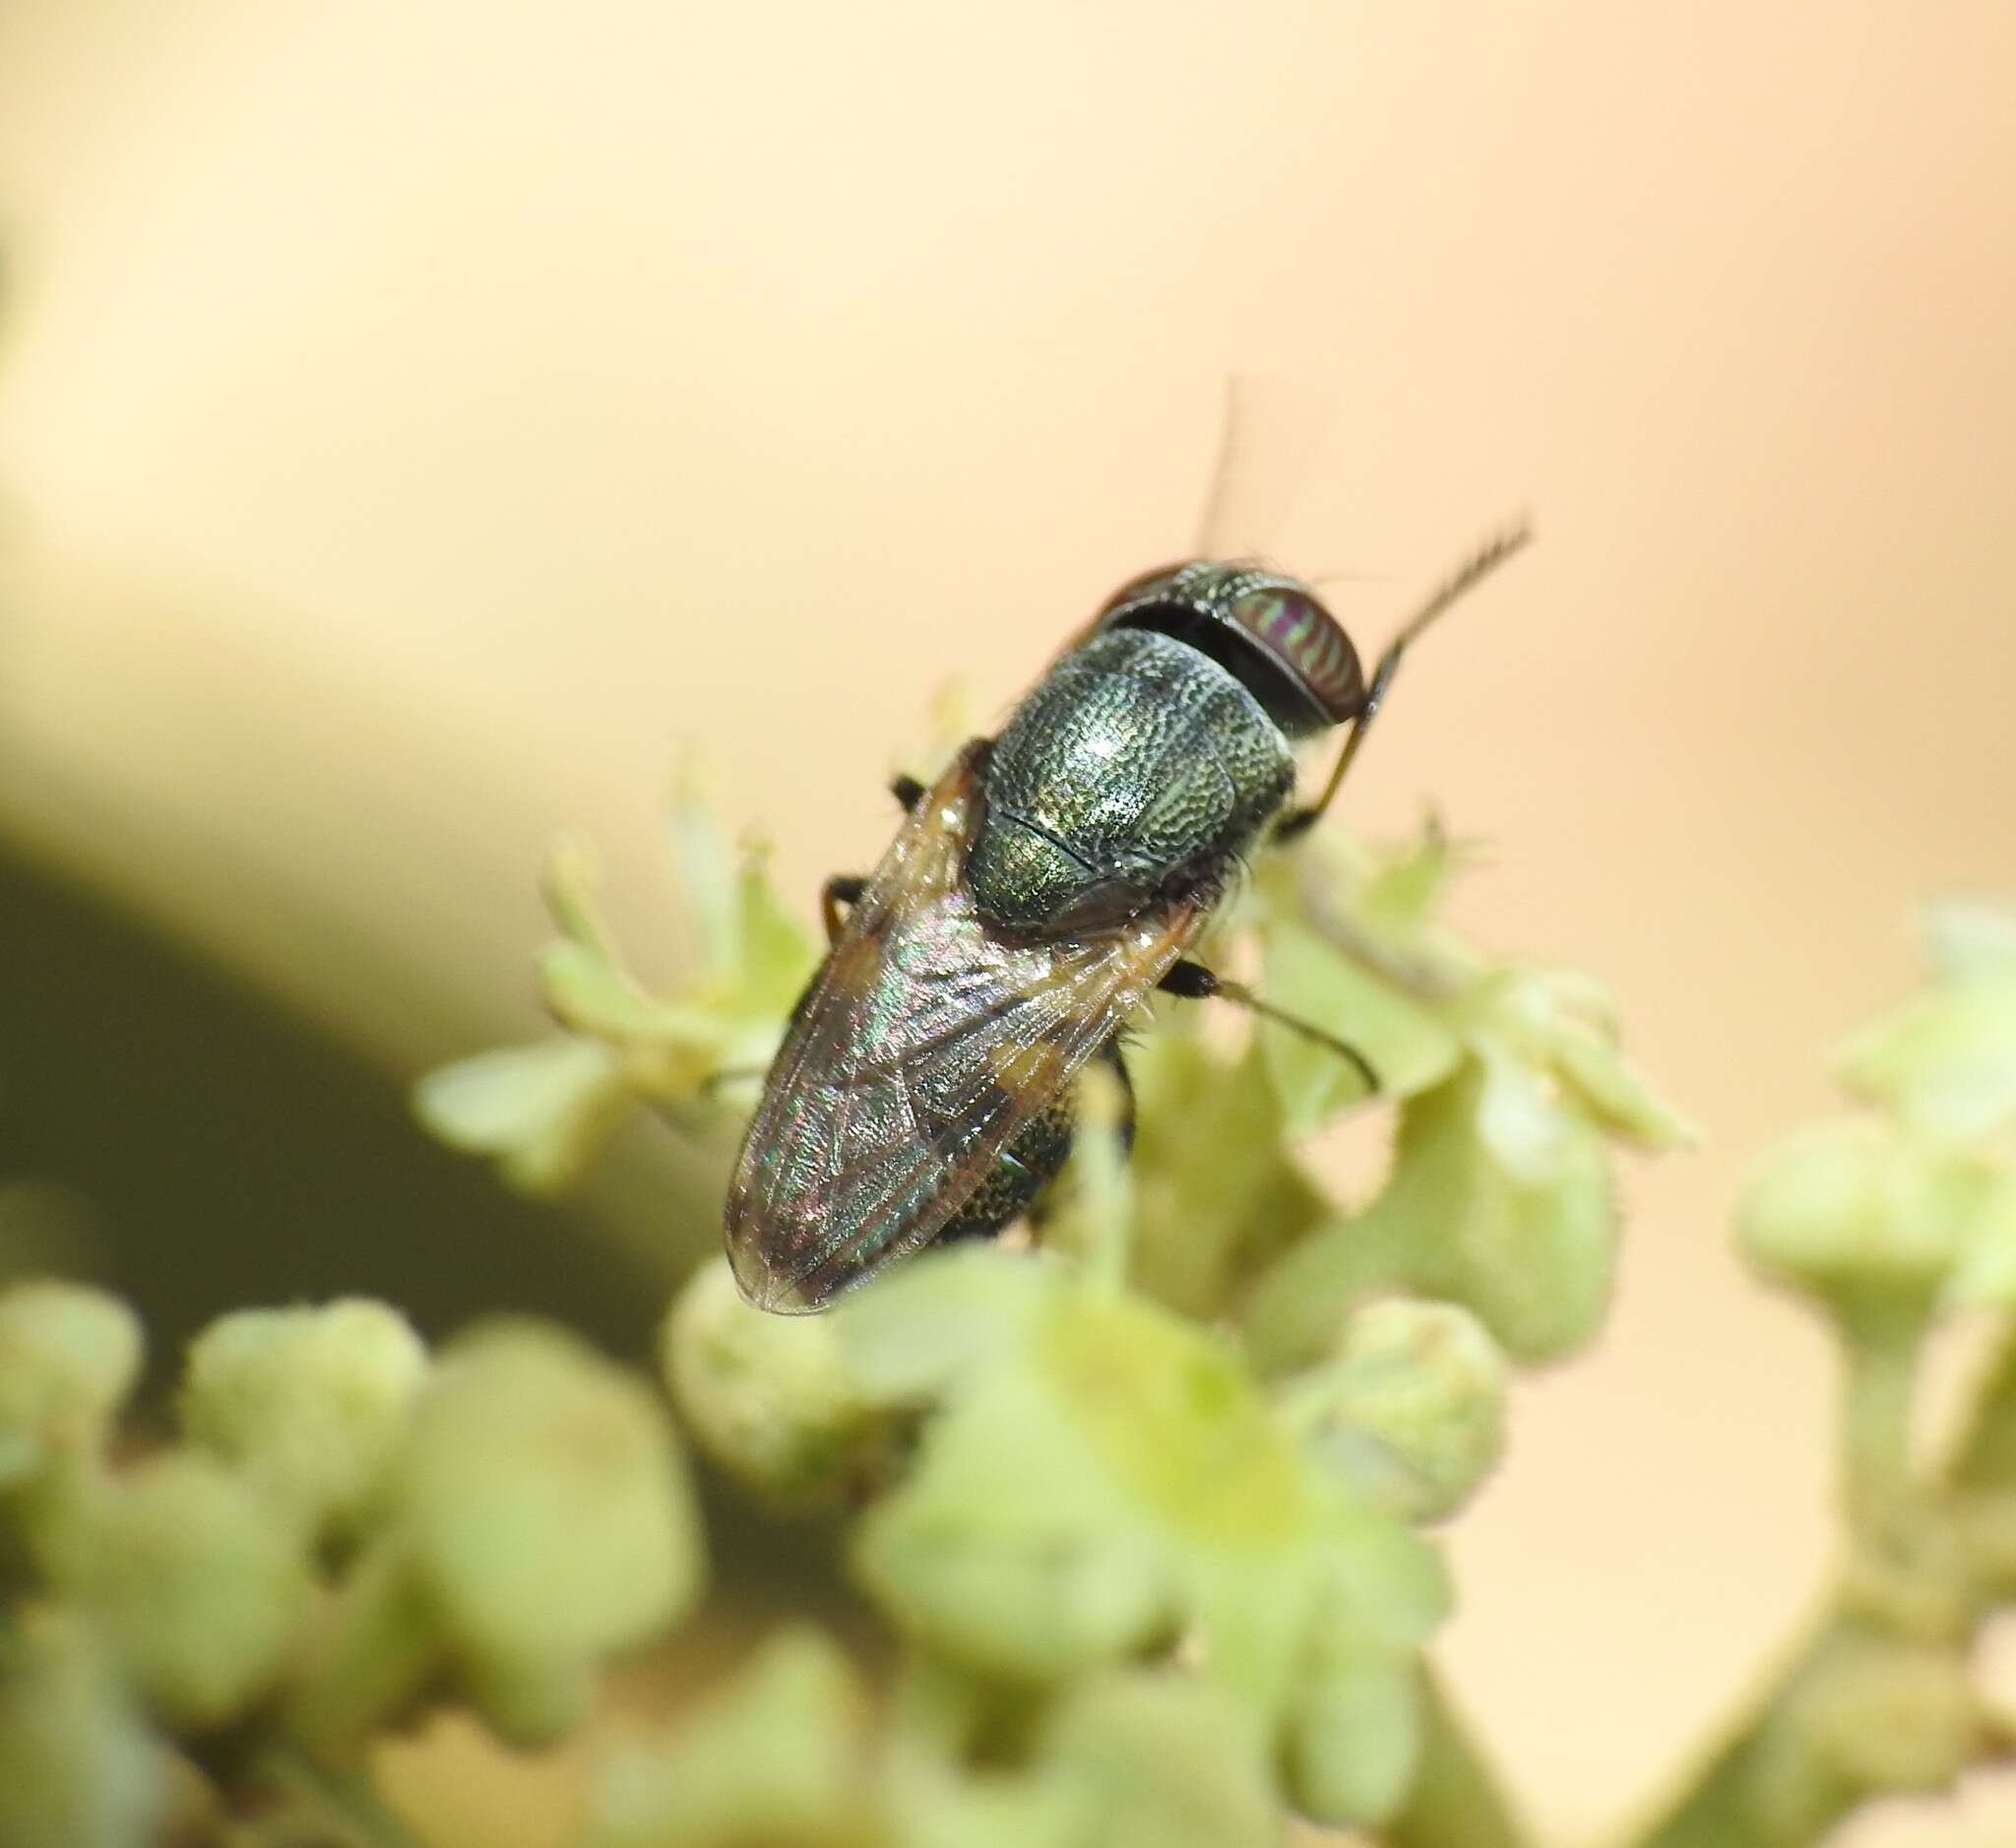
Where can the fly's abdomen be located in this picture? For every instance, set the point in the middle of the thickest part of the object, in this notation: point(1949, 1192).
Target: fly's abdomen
point(1135, 760)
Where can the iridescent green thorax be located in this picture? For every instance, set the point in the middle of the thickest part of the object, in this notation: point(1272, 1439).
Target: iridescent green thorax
point(1136, 764)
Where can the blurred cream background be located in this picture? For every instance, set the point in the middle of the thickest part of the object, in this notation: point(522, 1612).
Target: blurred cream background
point(419, 418)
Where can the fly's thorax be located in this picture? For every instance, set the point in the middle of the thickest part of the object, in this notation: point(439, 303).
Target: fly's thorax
point(1135, 763)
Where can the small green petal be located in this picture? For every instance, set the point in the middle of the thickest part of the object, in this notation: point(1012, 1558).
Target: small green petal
point(1307, 976)
point(543, 1109)
point(591, 994)
point(777, 952)
point(1557, 1019)
point(780, 1755)
point(1519, 1121)
point(1947, 1062)
point(1355, 1741)
point(1411, 879)
point(702, 868)
point(1155, 1759)
point(1383, 1589)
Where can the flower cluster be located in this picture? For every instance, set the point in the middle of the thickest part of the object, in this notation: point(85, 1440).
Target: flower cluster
point(1141, 1512)
point(1163, 1477)
point(1893, 1220)
point(345, 1526)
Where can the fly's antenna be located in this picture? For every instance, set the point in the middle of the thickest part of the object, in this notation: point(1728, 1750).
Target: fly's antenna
point(1509, 538)
point(1479, 565)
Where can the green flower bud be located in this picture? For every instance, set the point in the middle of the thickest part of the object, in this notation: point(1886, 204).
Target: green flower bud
point(1163, 1759)
point(780, 1755)
point(1851, 1208)
point(1947, 1062)
point(546, 1506)
point(309, 1403)
point(769, 1397)
point(1499, 1196)
point(68, 1355)
point(77, 1770)
point(200, 1583)
point(1412, 1410)
point(1511, 1194)
point(1355, 1740)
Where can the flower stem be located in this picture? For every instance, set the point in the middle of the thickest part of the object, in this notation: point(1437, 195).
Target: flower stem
point(1880, 1356)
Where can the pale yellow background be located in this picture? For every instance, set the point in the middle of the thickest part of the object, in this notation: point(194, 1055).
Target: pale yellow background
point(419, 416)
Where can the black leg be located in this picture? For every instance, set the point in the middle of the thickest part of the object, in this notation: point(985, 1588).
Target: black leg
point(908, 792)
point(1110, 1053)
point(843, 888)
point(1196, 983)
point(1478, 566)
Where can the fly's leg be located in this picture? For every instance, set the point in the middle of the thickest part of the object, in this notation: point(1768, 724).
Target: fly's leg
point(1023, 1171)
point(843, 888)
point(1196, 983)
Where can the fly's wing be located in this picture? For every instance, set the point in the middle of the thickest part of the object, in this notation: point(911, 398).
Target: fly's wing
point(927, 1043)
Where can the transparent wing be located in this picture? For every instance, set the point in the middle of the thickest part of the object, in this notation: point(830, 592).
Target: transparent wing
point(1274, 429)
point(927, 1043)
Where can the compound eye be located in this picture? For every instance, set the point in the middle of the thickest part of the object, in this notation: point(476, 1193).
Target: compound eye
point(1307, 642)
point(1138, 588)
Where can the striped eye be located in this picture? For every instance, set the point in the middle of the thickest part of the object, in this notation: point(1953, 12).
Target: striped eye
point(1304, 639)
